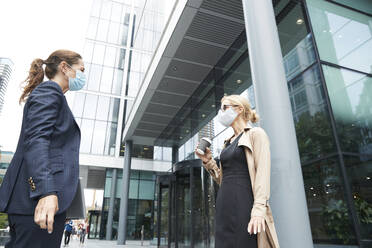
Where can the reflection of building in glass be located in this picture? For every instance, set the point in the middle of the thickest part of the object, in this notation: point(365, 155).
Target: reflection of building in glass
point(6, 67)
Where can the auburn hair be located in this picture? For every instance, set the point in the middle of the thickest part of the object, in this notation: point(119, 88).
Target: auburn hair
point(36, 73)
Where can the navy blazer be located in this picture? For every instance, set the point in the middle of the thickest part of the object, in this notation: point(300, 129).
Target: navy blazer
point(47, 155)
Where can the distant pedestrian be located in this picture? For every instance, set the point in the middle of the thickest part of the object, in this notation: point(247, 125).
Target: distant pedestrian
point(68, 231)
point(82, 233)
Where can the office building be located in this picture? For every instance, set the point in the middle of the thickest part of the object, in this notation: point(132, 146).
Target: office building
point(6, 67)
point(306, 68)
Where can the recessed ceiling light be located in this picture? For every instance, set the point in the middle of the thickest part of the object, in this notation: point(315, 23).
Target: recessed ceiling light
point(174, 68)
point(203, 115)
point(213, 106)
point(145, 148)
point(368, 178)
point(299, 21)
point(181, 137)
point(239, 81)
point(187, 131)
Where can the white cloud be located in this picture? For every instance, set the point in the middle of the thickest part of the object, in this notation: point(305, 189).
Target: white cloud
point(29, 30)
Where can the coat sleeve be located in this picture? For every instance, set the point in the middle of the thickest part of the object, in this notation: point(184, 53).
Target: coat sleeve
point(261, 188)
point(213, 170)
point(44, 105)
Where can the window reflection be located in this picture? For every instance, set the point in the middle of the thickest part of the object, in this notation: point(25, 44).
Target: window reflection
point(351, 99)
point(359, 171)
point(343, 36)
point(328, 210)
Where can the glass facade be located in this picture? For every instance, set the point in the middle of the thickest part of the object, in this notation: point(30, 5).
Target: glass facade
point(140, 204)
point(117, 31)
point(326, 54)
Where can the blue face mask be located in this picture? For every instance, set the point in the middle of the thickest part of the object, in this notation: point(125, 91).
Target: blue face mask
point(78, 82)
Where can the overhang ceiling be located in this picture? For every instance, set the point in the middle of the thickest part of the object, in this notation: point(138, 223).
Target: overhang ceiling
point(203, 33)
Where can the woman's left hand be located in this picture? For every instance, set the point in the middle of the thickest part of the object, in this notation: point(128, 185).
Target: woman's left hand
point(256, 225)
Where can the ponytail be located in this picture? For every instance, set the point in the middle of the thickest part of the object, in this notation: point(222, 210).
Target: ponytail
point(35, 77)
point(36, 73)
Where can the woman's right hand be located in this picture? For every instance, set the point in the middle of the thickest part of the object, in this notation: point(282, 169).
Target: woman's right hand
point(207, 155)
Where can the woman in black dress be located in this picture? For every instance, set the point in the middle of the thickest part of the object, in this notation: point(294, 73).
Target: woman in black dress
point(234, 226)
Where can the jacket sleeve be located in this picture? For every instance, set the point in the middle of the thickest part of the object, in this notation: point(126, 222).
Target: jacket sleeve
point(44, 105)
point(261, 155)
point(213, 170)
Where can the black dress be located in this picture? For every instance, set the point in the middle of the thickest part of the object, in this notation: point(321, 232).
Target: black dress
point(234, 200)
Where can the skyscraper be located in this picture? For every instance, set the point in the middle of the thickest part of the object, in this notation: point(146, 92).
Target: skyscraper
point(6, 67)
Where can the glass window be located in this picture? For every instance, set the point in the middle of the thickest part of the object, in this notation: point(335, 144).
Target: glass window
point(113, 34)
point(133, 189)
point(110, 143)
point(147, 175)
point(88, 52)
point(134, 174)
point(116, 12)
point(102, 31)
point(96, 7)
point(106, 80)
point(106, 9)
point(343, 36)
point(86, 135)
point(350, 94)
point(120, 58)
point(90, 106)
point(114, 109)
point(110, 56)
point(181, 153)
point(99, 53)
point(103, 108)
point(133, 84)
point(328, 211)
point(167, 153)
point(359, 171)
point(92, 28)
point(119, 187)
point(78, 105)
point(142, 151)
point(98, 142)
point(107, 191)
point(312, 123)
point(118, 82)
point(362, 5)
point(94, 77)
point(146, 190)
point(158, 152)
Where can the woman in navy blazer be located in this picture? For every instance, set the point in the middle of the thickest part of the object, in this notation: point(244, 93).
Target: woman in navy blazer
point(42, 178)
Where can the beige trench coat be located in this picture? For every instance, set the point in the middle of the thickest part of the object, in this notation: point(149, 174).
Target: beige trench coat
point(257, 150)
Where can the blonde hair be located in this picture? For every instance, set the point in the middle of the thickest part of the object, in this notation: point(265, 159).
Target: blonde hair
point(248, 113)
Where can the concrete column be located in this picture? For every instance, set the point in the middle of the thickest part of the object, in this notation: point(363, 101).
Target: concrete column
point(122, 231)
point(272, 99)
point(111, 205)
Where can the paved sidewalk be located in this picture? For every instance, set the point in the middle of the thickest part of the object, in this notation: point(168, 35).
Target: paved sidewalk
point(93, 243)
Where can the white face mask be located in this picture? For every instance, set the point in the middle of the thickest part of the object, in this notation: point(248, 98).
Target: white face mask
point(226, 117)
